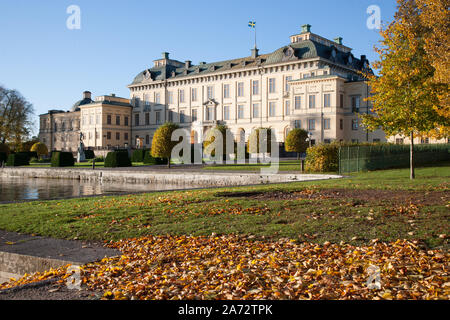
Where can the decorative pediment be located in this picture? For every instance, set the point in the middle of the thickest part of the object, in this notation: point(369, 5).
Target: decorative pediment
point(211, 103)
point(288, 53)
point(147, 75)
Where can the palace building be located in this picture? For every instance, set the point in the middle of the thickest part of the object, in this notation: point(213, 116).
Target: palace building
point(311, 83)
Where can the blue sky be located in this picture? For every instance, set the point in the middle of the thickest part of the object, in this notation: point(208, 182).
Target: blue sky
point(52, 65)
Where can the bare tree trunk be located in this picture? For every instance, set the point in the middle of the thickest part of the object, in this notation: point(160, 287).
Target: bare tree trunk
point(411, 158)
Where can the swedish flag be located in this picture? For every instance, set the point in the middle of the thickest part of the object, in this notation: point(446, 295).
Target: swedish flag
point(252, 24)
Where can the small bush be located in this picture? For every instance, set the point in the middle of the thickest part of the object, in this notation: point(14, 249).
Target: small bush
point(148, 159)
point(138, 155)
point(323, 158)
point(89, 154)
point(5, 148)
point(97, 159)
point(17, 159)
point(62, 159)
point(40, 149)
point(117, 159)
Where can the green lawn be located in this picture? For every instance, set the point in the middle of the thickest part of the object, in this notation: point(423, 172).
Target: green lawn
point(79, 165)
point(382, 204)
point(288, 165)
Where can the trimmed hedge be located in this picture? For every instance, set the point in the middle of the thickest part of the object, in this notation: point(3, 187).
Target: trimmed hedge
point(3, 157)
point(117, 159)
point(138, 155)
point(89, 154)
point(148, 159)
point(17, 159)
point(62, 159)
point(322, 158)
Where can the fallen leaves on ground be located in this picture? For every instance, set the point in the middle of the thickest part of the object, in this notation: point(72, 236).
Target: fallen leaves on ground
point(239, 267)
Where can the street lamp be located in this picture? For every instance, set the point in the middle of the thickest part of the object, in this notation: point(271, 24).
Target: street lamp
point(309, 139)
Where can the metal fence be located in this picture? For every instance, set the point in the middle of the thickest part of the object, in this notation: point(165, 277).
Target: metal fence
point(368, 158)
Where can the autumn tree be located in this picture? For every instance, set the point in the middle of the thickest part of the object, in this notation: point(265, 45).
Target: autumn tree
point(162, 143)
point(404, 95)
point(209, 139)
point(40, 148)
point(435, 17)
point(15, 117)
point(296, 141)
point(254, 146)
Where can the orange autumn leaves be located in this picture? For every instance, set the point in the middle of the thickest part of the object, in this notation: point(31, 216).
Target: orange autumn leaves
point(237, 267)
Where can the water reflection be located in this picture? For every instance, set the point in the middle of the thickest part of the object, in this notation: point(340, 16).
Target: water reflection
point(12, 189)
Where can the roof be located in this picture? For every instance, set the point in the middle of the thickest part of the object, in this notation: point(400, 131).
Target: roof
point(306, 49)
point(76, 106)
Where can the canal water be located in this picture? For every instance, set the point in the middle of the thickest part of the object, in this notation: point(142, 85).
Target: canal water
point(16, 189)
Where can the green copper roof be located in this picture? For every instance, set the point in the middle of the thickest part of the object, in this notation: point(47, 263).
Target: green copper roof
point(306, 49)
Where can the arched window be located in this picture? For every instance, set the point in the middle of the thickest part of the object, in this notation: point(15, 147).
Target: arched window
point(240, 135)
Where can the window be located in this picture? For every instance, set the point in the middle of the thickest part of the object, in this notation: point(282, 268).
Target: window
point(147, 118)
point(226, 90)
point(108, 119)
point(157, 98)
point(226, 113)
point(298, 102)
point(341, 100)
point(108, 135)
point(181, 96)
point(326, 100)
point(136, 119)
point(326, 124)
point(311, 124)
point(117, 135)
point(399, 141)
point(125, 136)
point(341, 124)
point(170, 96)
point(312, 101)
point(272, 109)
point(210, 92)
point(287, 107)
point(97, 120)
point(255, 87)
point(376, 140)
point(288, 86)
point(146, 100)
point(137, 102)
point(297, 124)
point(327, 141)
point(170, 115)
point(425, 141)
point(126, 121)
point(240, 112)
point(209, 113)
point(147, 139)
point(194, 115)
point(354, 124)
point(272, 85)
point(240, 89)
point(256, 110)
point(158, 117)
point(356, 101)
point(118, 120)
point(182, 118)
point(194, 94)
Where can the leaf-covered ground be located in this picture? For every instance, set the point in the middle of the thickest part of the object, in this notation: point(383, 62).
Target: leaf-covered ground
point(239, 267)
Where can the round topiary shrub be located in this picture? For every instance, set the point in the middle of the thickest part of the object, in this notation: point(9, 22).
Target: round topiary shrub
point(117, 159)
point(40, 149)
point(62, 159)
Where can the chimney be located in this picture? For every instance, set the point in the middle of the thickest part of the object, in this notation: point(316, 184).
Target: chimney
point(113, 95)
point(187, 64)
point(165, 55)
point(87, 95)
point(363, 58)
point(306, 28)
point(202, 62)
point(338, 40)
point(255, 53)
